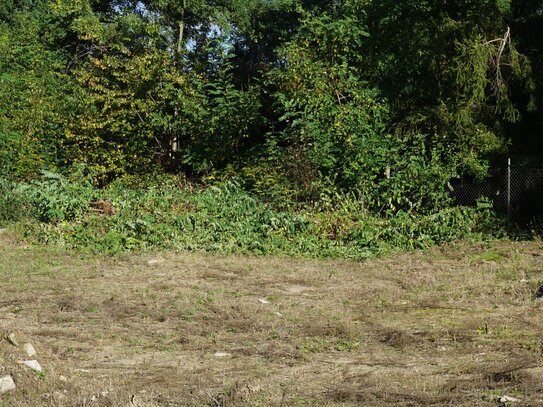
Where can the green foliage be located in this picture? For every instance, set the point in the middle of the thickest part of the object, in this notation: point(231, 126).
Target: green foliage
point(336, 125)
point(483, 69)
point(333, 120)
point(308, 105)
point(444, 70)
point(118, 133)
point(14, 204)
point(224, 218)
point(36, 95)
point(54, 199)
point(216, 122)
point(146, 109)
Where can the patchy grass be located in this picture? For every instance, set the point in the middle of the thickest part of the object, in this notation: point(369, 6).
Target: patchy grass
point(452, 326)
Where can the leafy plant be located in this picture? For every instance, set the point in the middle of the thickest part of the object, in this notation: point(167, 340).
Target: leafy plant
point(225, 218)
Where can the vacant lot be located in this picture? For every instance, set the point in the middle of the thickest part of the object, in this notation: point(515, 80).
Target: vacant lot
point(458, 326)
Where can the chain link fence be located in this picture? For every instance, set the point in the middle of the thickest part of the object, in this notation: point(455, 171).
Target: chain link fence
point(516, 191)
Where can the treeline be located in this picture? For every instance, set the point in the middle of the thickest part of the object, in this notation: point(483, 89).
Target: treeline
point(388, 100)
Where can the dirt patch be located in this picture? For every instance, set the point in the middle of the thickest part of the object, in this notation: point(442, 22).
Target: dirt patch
point(458, 326)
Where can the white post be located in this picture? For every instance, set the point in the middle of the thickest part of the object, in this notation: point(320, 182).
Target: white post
point(509, 187)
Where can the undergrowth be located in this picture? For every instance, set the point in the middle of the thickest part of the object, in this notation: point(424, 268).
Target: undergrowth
point(166, 214)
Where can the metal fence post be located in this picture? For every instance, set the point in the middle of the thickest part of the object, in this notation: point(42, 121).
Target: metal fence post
point(509, 187)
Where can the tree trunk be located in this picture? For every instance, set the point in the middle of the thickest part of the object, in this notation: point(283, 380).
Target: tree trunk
point(181, 25)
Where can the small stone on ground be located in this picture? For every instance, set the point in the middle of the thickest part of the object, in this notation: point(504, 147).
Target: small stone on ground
point(12, 339)
point(508, 399)
point(6, 384)
point(221, 354)
point(29, 349)
point(33, 364)
point(154, 262)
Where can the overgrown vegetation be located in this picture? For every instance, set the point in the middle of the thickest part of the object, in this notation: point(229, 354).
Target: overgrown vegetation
point(221, 218)
point(323, 127)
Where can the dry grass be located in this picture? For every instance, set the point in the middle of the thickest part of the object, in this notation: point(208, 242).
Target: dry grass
point(455, 326)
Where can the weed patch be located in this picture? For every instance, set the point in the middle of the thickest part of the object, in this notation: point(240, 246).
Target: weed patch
point(73, 214)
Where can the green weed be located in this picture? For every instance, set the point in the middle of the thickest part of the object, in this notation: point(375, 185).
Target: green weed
point(222, 218)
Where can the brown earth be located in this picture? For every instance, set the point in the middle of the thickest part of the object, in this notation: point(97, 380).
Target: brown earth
point(458, 325)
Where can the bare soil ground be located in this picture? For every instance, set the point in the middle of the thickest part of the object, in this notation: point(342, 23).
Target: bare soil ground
point(458, 325)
